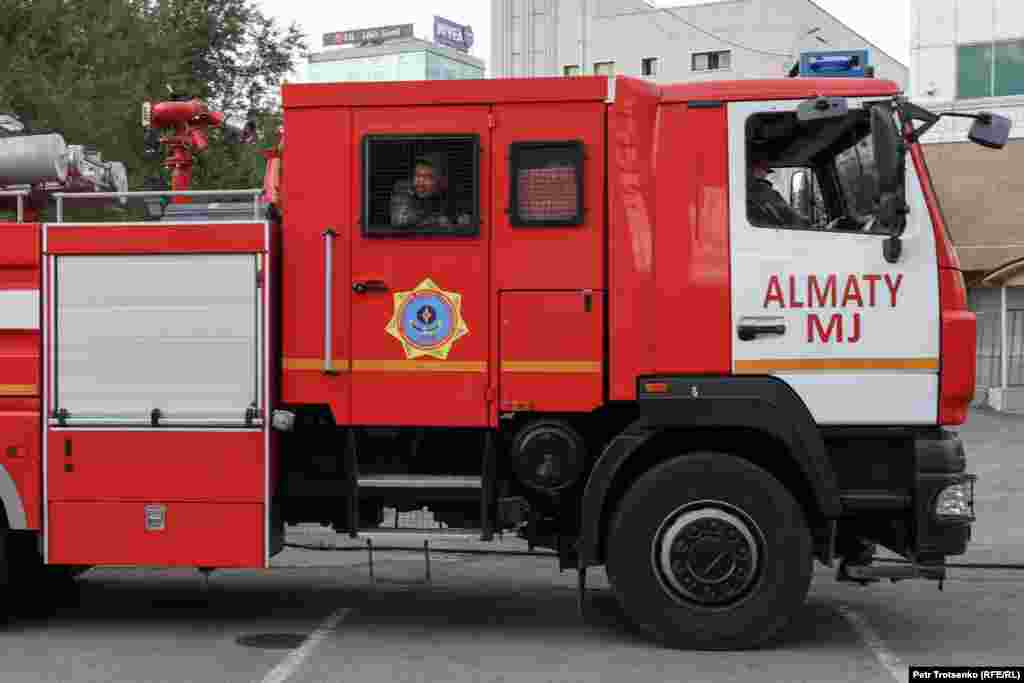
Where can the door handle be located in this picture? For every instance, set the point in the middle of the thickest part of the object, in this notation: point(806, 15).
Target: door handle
point(369, 286)
point(750, 329)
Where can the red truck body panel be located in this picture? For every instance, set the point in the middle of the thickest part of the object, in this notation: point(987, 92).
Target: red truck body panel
point(777, 89)
point(20, 378)
point(448, 93)
point(387, 387)
point(378, 382)
point(632, 164)
point(691, 259)
point(316, 201)
point(213, 484)
point(652, 154)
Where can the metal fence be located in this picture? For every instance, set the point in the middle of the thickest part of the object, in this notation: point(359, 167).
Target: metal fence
point(989, 353)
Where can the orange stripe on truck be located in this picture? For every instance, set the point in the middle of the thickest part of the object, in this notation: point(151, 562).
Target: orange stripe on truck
point(312, 364)
point(19, 390)
point(573, 367)
point(418, 366)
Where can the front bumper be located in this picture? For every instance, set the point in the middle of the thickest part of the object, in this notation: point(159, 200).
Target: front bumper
point(943, 525)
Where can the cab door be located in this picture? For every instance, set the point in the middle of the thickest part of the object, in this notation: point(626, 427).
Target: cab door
point(818, 305)
point(420, 294)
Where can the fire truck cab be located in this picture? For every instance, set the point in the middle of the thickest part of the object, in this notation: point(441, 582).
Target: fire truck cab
point(701, 335)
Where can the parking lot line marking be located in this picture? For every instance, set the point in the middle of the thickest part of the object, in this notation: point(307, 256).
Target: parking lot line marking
point(290, 664)
point(875, 643)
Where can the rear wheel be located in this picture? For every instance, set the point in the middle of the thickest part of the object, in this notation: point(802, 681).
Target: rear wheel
point(38, 585)
point(5, 589)
point(708, 551)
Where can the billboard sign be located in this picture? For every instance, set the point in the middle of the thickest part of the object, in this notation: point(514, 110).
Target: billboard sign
point(368, 35)
point(839, 64)
point(453, 35)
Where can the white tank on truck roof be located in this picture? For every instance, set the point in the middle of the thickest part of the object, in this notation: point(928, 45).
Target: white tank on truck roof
point(33, 159)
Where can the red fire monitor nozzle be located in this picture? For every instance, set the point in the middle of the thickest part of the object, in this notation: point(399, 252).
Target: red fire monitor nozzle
point(188, 123)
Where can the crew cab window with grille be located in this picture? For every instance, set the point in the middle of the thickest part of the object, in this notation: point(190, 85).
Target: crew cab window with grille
point(546, 184)
point(811, 175)
point(421, 186)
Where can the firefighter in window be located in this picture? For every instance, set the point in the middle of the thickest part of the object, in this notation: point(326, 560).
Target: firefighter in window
point(765, 206)
point(423, 201)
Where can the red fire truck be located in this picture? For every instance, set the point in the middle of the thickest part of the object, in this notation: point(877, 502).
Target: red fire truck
point(701, 335)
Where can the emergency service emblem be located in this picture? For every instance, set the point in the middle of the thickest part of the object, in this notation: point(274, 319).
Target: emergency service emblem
point(427, 320)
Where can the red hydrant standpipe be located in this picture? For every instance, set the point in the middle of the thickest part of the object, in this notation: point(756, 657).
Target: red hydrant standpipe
point(190, 121)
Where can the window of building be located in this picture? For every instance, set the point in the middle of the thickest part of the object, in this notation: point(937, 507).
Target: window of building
point(649, 66)
point(604, 68)
point(546, 183)
point(571, 70)
point(793, 183)
point(990, 69)
point(712, 61)
point(421, 185)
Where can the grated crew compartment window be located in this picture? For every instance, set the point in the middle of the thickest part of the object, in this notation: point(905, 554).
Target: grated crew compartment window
point(422, 185)
point(547, 184)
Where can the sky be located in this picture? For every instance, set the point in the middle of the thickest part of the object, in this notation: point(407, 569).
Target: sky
point(882, 22)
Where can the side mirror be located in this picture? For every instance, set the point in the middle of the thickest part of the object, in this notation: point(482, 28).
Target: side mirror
point(990, 130)
point(889, 161)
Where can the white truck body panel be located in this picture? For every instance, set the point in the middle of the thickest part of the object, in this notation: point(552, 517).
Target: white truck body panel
point(885, 368)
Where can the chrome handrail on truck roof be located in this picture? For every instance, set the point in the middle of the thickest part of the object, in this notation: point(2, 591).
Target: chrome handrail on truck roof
point(20, 194)
point(254, 193)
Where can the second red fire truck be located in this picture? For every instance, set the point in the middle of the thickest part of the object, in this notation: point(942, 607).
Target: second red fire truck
point(701, 335)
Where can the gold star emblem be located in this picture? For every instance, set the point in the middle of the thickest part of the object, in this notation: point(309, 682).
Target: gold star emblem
point(427, 320)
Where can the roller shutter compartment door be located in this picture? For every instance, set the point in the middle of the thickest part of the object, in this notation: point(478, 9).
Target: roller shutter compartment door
point(176, 333)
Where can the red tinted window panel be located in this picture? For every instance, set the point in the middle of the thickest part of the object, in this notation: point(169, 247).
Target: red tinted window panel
point(548, 194)
point(547, 183)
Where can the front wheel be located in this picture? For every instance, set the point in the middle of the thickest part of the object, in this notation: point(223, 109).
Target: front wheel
point(708, 551)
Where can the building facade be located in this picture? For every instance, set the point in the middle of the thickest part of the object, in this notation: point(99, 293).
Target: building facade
point(717, 40)
point(408, 59)
point(968, 57)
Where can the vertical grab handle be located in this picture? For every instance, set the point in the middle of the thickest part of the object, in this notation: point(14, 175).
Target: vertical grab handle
point(328, 236)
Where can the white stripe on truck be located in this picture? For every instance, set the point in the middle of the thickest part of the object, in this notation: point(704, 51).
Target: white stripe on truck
point(19, 309)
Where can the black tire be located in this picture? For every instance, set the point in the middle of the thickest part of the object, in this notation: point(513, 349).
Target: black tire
point(51, 585)
point(5, 589)
point(700, 500)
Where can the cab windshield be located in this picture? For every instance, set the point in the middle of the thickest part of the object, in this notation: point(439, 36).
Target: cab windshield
point(817, 175)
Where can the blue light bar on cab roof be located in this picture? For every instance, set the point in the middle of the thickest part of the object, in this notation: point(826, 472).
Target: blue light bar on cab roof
point(838, 64)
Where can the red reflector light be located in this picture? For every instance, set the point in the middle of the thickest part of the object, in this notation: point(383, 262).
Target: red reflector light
point(656, 388)
point(957, 349)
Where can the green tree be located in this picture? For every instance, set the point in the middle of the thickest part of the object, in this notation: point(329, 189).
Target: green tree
point(84, 67)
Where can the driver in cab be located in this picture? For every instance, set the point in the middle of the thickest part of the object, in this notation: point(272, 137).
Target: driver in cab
point(765, 206)
point(421, 201)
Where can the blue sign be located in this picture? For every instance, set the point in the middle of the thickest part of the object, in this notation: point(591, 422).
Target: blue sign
point(453, 35)
point(839, 64)
point(427, 319)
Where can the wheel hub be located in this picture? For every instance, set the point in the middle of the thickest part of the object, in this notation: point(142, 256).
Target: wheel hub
point(708, 556)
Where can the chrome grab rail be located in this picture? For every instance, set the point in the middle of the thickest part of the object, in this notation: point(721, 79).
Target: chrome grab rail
point(20, 194)
point(254, 193)
point(328, 236)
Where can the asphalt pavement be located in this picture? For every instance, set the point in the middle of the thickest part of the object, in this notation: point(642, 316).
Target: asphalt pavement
point(508, 618)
